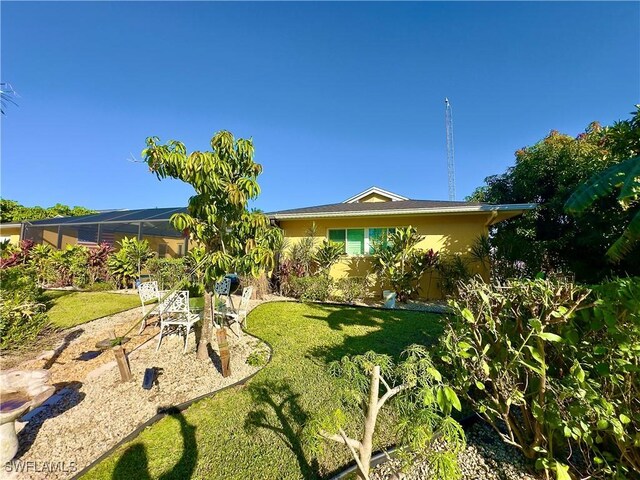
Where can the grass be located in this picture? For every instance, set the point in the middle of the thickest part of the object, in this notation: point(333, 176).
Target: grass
point(255, 431)
point(68, 309)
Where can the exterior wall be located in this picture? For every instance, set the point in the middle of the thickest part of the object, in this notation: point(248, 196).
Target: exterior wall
point(12, 233)
point(443, 233)
point(69, 237)
point(374, 197)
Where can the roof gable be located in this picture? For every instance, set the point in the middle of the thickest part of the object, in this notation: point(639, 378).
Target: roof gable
point(375, 194)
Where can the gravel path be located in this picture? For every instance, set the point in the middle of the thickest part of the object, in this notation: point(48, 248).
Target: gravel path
point(92, 410)
point(485, 458)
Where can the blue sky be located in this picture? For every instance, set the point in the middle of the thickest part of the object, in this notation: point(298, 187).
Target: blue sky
point(337, 96)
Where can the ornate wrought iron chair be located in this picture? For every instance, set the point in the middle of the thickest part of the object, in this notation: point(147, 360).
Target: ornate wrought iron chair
point(174, 312)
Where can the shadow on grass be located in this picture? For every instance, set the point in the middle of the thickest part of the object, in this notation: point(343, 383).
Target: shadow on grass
point(134, 463)
point(396, 330)
point(277, 398)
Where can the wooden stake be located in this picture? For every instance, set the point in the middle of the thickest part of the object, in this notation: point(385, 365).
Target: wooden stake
point(122, 361)
point(225, 356)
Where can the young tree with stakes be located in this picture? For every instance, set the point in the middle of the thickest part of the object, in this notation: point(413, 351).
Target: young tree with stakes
point(224, 180)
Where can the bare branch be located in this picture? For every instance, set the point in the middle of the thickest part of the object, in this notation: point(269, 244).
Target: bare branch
point(340, 439)
point(391, 393)
point(355, 455)
point(384, 382)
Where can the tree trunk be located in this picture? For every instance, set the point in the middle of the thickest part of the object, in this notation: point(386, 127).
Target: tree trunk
point(370, 423)
point(205, 336)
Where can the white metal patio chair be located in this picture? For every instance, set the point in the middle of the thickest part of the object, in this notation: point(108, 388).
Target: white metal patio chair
point(174, 312)
point(222, 290)
point(240, 316)
point(148, 293)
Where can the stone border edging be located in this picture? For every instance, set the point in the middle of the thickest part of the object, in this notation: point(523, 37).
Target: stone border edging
point(171, 410)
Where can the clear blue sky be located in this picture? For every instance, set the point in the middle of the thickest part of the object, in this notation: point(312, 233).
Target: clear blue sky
point(337, 96)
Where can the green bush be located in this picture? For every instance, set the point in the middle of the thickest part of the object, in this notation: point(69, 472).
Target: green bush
point(22, 315)
point(399, 263)
point(167, 271)
point(553, 368)
point(452, 270)
point(608, 351)
point(316, 288)
point(353, 289)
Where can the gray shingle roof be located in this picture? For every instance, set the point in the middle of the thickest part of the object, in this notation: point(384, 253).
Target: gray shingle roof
point(374, 206)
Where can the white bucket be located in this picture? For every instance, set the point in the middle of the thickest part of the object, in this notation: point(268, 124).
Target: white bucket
point(389, 297)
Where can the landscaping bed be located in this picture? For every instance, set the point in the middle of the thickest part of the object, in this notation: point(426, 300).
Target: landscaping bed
point(486, 457)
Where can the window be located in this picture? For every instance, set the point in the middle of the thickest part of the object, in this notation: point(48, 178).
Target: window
point(162, 250)
point(355, 241)
point(180, 250)
point(359, 241)
point(379, 236)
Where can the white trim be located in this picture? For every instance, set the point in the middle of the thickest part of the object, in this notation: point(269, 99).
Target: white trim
point(393, 196)
point(408, 211)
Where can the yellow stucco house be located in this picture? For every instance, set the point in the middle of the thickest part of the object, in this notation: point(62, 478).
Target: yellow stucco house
point(10, 232)
point(447, 226)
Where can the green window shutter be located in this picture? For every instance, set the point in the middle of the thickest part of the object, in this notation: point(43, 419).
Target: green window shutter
point(355, 241)
point(338, 236)
point(376, 236)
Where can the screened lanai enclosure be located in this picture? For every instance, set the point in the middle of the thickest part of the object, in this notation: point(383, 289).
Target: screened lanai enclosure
point(110, 227)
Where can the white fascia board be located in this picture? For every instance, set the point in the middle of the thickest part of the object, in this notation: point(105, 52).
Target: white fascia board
point(409, 211)
point(393, 196)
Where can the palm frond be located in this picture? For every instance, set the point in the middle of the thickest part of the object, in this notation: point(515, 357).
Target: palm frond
point(601, 185)
point(627, 241)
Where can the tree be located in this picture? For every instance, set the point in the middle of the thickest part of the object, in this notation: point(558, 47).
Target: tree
point(547, 173)
point(7, 93)
point(12, 211)
point(624, 176)
point(422, 400)
point(224, 180)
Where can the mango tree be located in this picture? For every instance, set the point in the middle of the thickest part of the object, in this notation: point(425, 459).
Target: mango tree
point(224, 180)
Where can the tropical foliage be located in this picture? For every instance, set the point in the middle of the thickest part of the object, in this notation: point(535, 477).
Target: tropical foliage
point(553, 368)
point(374, 381)
point(225, 179)
point(22, 313)
point(400, 264)
point(547, 173)
point(624, 176)
point(12, 211)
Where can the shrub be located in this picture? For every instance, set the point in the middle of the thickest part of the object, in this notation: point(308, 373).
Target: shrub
point(551, 371)
point(353, 289)
point(12, 256)
point(452, 270)
point(22, 315)
point(122, 269)
point(327, 254)
point(608, 351)
point(97, 263)
point(316, 288)
point(372, 382)
point(400, 264)
point(168, 272)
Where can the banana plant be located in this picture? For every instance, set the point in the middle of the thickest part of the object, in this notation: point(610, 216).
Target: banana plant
point(624, 176)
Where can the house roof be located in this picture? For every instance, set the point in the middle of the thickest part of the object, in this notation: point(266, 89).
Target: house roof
point(399, 207)
point(113, 216)
point(394, 197)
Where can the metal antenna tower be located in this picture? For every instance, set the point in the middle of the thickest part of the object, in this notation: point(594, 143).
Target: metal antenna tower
point(448, 119)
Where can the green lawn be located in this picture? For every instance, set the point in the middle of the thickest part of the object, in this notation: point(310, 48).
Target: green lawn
point(68, 309)
point(253, 432)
